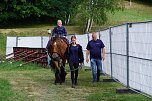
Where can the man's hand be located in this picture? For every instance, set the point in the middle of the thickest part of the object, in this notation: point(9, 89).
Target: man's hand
point(103, 54)
point(81, 64)
point(87, 60)
point(103, 57)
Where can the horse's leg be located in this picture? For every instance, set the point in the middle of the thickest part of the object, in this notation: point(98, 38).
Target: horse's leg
point(59, 77)
point(56, 78)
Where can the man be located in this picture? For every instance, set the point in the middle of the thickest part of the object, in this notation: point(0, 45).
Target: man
point(95, 48)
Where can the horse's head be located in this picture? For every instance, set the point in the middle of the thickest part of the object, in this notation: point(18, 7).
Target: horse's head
point(57, 52)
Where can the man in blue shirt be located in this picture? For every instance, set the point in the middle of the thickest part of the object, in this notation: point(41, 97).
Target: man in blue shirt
point(95, 48)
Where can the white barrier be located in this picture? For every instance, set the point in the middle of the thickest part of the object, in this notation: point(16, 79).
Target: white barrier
point(41, 42)
point(131, 55)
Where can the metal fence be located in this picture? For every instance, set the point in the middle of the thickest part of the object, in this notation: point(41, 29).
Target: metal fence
point(129, 55)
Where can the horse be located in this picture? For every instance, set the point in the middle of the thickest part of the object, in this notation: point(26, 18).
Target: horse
point(58, 52)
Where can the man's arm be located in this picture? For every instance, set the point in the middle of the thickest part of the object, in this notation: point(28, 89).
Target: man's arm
point(103, 54)
point(87, 55)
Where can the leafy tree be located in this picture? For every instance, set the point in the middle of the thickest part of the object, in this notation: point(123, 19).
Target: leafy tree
point(18, 10)
point(96, 10)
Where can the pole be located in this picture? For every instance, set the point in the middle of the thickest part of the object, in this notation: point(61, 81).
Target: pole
point(127, 52)
point(110, 37)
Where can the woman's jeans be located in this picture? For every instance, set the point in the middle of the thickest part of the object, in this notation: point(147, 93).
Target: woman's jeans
point(96, 66)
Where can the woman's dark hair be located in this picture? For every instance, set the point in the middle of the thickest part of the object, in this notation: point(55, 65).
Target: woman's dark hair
point(73, 37)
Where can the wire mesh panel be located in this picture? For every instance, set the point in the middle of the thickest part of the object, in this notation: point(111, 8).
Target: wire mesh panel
point(119, 69)
point(83, 40)
point(140, 75)
point(140, 40)
point(32, 42)
point(119, 58)
point(140, 60)
point(104, 36)
point(45, 40)
point(119, 39)
point(11, 42)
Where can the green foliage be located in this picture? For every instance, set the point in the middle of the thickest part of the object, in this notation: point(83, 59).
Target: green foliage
point(17, 10)
point(96, 9)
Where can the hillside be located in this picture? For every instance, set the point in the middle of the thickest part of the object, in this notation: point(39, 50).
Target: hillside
point(137, 12)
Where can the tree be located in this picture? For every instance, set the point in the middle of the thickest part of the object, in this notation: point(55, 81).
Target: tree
point(25, 10)
point(96, 10)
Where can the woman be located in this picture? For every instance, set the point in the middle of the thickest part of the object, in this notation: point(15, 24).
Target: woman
point(75, 57)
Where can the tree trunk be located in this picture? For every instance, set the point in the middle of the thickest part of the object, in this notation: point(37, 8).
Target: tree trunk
point(90, 26)
point(87, 26)
point(65, 19)
point(68, 20)
point(130, 3)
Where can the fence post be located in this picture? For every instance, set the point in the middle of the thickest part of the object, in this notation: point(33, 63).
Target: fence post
point(17, 41)
point(41, 41)
point(110, 33)
point(127, 52)
point(99, 35)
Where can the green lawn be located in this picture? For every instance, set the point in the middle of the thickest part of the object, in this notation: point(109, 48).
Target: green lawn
point(138, 12)
point(2, 44)
point(34, 83)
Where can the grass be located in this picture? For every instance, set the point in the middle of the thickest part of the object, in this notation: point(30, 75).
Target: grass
point(36, 84)
point(2, 43)
point(5, 90)
point(137, 12)
point(35, 30)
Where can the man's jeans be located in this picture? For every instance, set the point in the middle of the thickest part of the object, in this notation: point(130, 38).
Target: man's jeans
point(96, 64)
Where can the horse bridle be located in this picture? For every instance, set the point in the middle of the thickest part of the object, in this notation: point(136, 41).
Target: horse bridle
point(59, 51)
